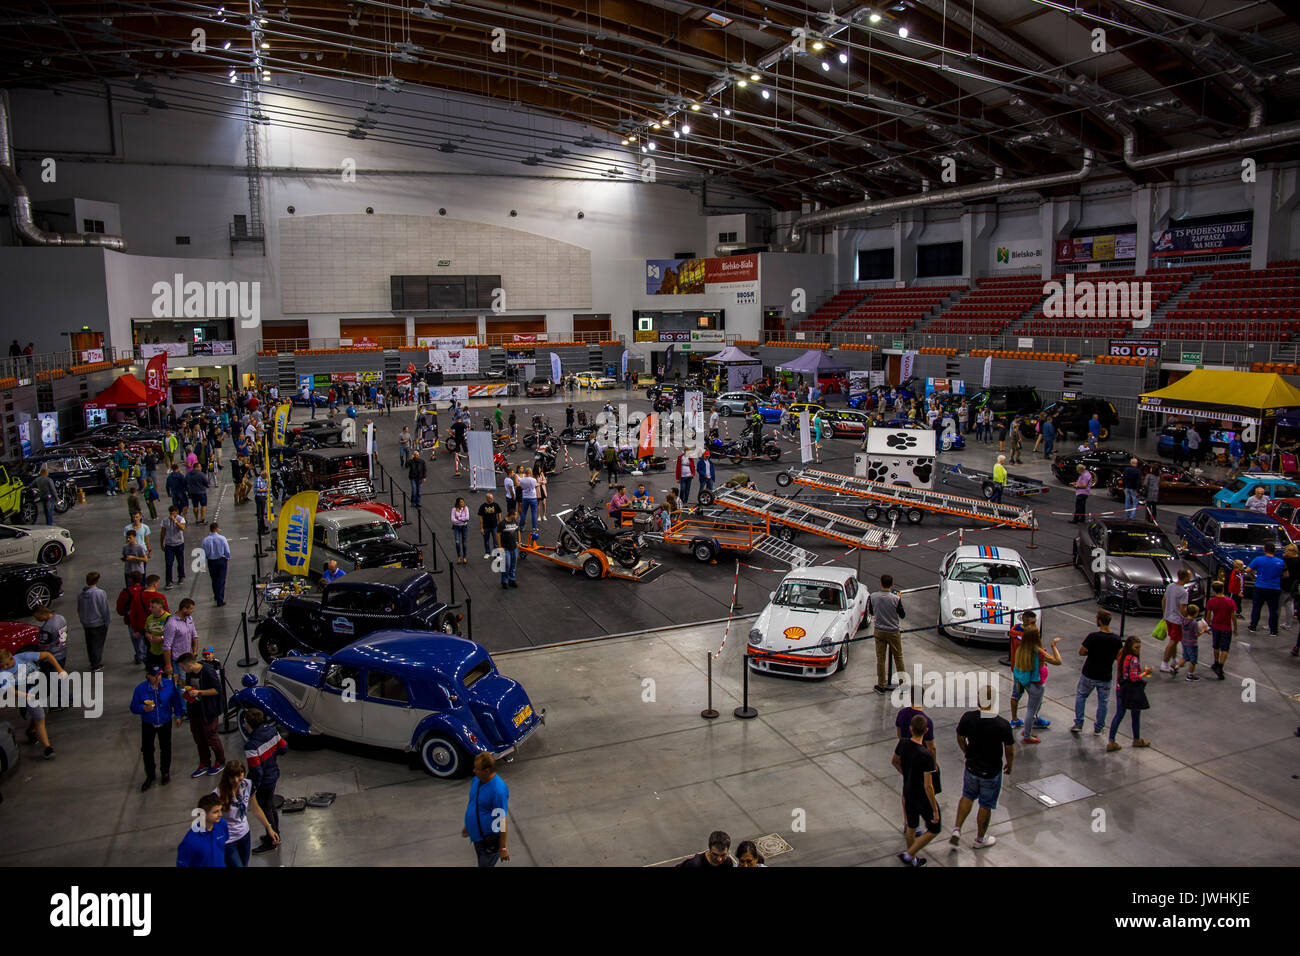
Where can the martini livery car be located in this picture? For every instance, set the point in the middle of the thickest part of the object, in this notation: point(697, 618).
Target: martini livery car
point(805, 629)
point(982, 590)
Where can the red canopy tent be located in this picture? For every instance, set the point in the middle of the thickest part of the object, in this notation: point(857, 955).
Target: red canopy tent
point(127, 391)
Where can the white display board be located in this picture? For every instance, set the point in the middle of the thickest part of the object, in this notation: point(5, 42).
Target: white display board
point(898, 456)
point(463, 361)
point(482, 473)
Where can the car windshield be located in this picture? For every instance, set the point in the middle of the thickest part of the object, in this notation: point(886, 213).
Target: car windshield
point(1240, 484)
point(1140, 544)
point(1249, 535)
point(990, 572)
point(426, 592)
point(815, 595)
point(371, 530)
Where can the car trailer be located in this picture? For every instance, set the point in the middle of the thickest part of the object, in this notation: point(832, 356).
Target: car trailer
point(705, 536)
point(1018, 485)
point(594, 563)
point(798, 516)
point(897, 503)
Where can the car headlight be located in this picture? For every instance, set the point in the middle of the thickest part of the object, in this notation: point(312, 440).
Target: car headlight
point(827, 645)
point(958, 612)
point(63, 532)
point(755, 636)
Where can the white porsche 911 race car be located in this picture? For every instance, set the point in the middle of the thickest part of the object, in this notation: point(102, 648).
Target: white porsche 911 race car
point(982, 591)
point(802, 630)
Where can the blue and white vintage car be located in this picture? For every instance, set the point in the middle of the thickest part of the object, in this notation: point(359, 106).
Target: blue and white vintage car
point(436, 695)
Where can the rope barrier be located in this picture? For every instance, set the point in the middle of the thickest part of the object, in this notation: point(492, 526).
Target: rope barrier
point(731, 612)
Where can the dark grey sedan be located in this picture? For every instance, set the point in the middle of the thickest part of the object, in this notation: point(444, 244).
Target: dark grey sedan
point(1129, 563)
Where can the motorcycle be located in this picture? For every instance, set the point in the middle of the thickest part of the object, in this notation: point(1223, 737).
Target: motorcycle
point(585, 527)
point(738, 450)
point(541, 432)
point(546, 455)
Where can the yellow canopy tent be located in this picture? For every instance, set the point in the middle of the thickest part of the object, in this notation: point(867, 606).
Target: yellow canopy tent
point(1243, 397)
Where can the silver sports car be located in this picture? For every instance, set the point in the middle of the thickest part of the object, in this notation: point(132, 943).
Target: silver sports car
point(1129, 563)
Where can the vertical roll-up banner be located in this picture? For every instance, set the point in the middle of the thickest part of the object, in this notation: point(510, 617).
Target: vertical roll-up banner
point(646, 439)
point(805, 438)
point(623, 372)
point(906, 366)
point(266, 451)
point(293, 548)
point(555, 368)
point(693, 426)
point(482, 474)
point(280, 428)
point(668, 360)
point(370, 449)
point(988, 371)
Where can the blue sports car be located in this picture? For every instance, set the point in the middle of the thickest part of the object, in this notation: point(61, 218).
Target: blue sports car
point(436, 695)
point(1218, 536)
point(1235, 494)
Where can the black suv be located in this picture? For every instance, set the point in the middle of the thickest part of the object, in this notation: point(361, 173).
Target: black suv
point(1008, 400)
point(1073, 414)
point(357, 604)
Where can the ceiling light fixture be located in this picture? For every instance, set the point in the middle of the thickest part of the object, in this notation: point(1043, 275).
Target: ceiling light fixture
point(654, 125)
point(742, 83)
point(715, 114)
point(767, 95)
point(265, 45)
point(625, 142)
point(726, 112)
point(826, 66)
point(819, 46)
point(844, 58)
point(226, 45)
point(677, 134)
point(651, 145)
point(686, 129)
point(874, 18)
point(902, 32)
point(695, 107)
point(755, 77)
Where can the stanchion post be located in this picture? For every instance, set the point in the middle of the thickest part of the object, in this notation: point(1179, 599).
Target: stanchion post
point(419, 520)
point(248, 660)
point(469, 617)
point(708, 712)
point(1033, 526)
point(256, 615)
point(744, 711)
point(433, 548)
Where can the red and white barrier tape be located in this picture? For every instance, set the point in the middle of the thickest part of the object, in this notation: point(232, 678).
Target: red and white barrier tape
point(735, 583)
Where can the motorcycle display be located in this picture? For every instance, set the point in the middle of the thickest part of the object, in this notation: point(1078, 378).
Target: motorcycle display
point(585, 527)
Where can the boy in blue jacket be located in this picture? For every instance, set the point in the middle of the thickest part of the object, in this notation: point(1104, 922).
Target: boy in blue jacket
point(157, 702)
point(205, 841)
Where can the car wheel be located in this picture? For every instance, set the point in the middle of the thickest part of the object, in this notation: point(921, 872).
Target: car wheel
point(844, 657)
point(593, 569)
point(51, 553)
point(37, 594)
point(441, 756)
point(703, 551)
point(706, 497)
point(871, 513)
point(448, 625)
point(28, 512)
point(784, 479)
point(271, 647)
point(938, 626)
point(724, 411)
point(1104, 433)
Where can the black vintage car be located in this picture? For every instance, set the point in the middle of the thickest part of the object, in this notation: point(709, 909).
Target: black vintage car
point(1073, 414)
point(1177, 485)
point(25, 586)
point(1103, 464)
point(322, 431)
point(107, 436)
point(335, 469)
point(355, 605)
point(82, 472)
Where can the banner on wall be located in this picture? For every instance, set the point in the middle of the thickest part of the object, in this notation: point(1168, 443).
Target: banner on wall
point(697, 276)
point(214, 347)
point(370, 375)
point(403, 379)
point(1103, 248)
point(1203, 240)
point(455, 361)
point(164, 348)
point(92, 355)
point(1017, 254)
point(445, 341)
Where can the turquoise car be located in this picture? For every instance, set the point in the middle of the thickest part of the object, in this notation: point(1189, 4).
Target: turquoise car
point(1235, 494)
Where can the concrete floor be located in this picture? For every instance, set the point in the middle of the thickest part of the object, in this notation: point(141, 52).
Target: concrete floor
point(616, 779)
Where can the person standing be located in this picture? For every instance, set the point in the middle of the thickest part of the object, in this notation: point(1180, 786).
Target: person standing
point(1094, 430)
point(526, 484)
point(416, 471)
point(176, 489)
point(216, 549)
point(1017, 441)
point(203, 704)
point(610, 456)
point(1194, 453)
point(1100, 650)
point(914, 761)
point(1082, 487)
point(460, 530)
point(999, 479)
point(196, 487)
point(684, 471)
point(135, 557)
point(1048, 436)
point(179, 635)
point(1030, 673)
point(886, 608)
point(404, 445)
point(1132, 482)
point(985, 738)
point(1221, 612)
point(261, 492)
point(262, 751)
point(487, 812)
point(92, 612)
point(510, 547)
point(1174, 614)
point(1258, 502)
point(205, 846)
point(1151, 490)
point(237, 800)
point(1131, 694)
point(173, 529)
point(705, 472)
point(157, 703)
point(593, 462)
point(46, 492)
point(1267, 569)
point(489, 514)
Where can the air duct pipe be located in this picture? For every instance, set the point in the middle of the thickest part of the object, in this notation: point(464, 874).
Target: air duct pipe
point(934, 197)
point(20, 203)
point(1266, 138)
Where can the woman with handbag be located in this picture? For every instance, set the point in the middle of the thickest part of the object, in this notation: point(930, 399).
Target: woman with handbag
point(1030, 672)
point(1132, 692)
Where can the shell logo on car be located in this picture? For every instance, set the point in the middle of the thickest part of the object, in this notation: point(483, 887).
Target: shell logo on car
point(794, 633)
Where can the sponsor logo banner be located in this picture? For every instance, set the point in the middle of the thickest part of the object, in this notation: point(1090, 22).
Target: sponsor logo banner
point(280, 429)
point(1103, 248)
point(297, 517)
point(1017, 254)
point(1203, 240)
point(216, 347)
point(1137, 348)
point(164, 348)
point(696, 276)
point(455, 361)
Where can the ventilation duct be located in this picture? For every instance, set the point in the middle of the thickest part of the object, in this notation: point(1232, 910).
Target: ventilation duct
point(829, 217)
point(20, 203)
point(1265, 138)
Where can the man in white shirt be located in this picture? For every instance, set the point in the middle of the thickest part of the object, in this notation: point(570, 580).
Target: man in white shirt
point(527, 488)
